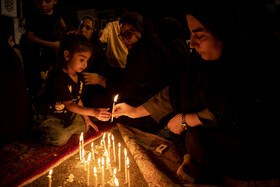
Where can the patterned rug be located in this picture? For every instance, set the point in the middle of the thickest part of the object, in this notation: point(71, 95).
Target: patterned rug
point(158, 169)
point(25, 161)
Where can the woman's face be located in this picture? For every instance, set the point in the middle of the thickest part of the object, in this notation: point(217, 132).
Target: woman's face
point(129, 35)
point(86, 28)
point(204, 42)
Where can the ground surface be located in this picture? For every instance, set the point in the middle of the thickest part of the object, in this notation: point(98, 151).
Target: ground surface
point(71, 171)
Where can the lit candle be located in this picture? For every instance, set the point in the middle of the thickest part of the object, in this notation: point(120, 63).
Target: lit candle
point(50, 177)
point(80, 146)
point(103, 141)
point(109, 167)
point(119, 157)
point(95, 176)
point(114, 173)
point(125, 165)
point(88, 164)
point(92, 151)
point(102, 171)
point(109, 146)
point(113, 108)
point(107, 163)
point(128, 172)
point(99, 167)
point(114, 149)
point(83, 159)
point(116, 182)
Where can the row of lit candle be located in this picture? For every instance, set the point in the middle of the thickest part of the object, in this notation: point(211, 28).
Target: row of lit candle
point(101, 167)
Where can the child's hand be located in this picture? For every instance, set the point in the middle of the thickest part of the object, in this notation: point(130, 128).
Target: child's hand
point(102, 114)
point(89, 123)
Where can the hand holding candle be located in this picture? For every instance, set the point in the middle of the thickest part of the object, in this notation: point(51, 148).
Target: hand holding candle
point(113, 108)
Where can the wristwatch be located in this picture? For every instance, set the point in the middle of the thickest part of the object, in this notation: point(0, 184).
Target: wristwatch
point(184, 124)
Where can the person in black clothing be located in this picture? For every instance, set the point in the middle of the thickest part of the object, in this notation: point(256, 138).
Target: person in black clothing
point(44, 28)
point(226, 105)
point(146, 71)
point(228, 131)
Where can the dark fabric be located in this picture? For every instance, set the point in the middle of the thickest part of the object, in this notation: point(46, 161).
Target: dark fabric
point(37, 58)
point(95, 95)
point(59, 88)
point(145, 73)
point(15, 107)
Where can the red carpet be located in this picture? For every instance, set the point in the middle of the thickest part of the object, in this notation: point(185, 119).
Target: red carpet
point(24, 161)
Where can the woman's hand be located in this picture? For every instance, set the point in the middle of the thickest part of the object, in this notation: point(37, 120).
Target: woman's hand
point(175, 124)
point(123, 109)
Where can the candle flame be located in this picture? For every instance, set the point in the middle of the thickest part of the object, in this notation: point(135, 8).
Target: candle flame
point(115, 171)
point(119, 145)
point(112, 137)
point(127, 161)
point(89, 156)
point(51, 171)
point(116, 98)
point(116, 182)
point(94, 170)
point(125, 153)
point(81, 137)
point(92, 145)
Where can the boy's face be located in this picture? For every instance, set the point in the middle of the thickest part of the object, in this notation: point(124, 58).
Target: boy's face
point(45, 6)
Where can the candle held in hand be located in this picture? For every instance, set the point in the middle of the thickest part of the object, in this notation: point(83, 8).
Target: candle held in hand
point(113, 108)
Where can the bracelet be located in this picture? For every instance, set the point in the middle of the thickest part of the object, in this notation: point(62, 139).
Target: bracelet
point(184, 124)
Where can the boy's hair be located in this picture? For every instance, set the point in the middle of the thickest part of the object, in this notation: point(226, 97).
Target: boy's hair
point(73, 43)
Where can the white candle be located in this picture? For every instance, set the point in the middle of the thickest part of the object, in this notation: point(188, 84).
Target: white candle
point(114, 149)
point(95, 176)
point(80, 146)
point(92, 151)
point(88, 164)
point(109, 146)
point(109, 167)
point(50, 177)
point(119, 157)
point(99, 167)
point(125, 165)
point(107, 163)
point(113, 108)
point(128, 172)
point(102, 171)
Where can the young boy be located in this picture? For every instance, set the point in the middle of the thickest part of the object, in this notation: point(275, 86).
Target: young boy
point(43, 30)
